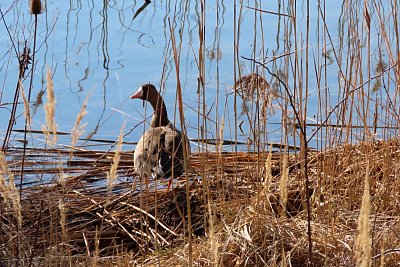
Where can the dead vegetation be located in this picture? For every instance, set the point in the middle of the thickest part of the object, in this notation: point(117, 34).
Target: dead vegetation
point(82, 221)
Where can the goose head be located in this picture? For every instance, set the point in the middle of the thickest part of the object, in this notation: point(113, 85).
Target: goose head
point(149, 93)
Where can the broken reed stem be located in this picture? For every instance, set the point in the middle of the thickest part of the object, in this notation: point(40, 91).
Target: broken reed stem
point(112, 174)
point(49, 109)
point(78, 129)
point(363, 240)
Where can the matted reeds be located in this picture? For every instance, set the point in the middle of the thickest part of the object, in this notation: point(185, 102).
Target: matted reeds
point(83, 216)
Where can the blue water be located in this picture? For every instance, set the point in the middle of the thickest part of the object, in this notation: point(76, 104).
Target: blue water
point(99, 51)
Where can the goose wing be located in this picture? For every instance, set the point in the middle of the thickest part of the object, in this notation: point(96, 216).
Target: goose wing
point(159, 153)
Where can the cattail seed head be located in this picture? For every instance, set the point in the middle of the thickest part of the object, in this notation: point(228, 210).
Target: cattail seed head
point(36, 7)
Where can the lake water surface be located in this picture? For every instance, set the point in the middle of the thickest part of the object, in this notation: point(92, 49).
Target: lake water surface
point(97, 49)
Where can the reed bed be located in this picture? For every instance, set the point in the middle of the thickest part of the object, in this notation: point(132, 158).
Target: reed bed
point(324, 194)
point(149, 228)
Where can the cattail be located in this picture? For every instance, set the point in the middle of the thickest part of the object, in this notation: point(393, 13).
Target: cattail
point(36, 7)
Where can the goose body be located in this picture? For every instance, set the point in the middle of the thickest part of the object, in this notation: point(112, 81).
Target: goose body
point(159, 152)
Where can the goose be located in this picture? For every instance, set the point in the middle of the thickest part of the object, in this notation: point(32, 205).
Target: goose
point(159, 152)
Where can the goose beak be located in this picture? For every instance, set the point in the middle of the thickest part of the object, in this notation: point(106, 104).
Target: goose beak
point(138, 94)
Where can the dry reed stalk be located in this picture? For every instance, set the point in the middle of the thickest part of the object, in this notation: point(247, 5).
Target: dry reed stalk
point(78, 129)
point(262, 202)
point(221, 134)
point(364, 241)
point(63, 220)
point(186, 150)
point(27, 110)
point(283, 185)
point(211, 208)
point(49, 109)
point(112, 174)
point(268, 172)
point(95, 257)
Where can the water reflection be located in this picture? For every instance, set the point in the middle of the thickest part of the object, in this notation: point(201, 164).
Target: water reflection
point(108, 48)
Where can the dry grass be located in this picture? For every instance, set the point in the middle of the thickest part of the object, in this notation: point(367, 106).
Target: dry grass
point(249, 229)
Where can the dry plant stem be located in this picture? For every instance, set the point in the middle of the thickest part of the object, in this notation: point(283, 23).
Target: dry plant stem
point(184, 144)
point(26, 127)
point(23, 65)
point(304, 150)
point(38, 222)
point(29, 99)
point(305, 144)
point(364, 240)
